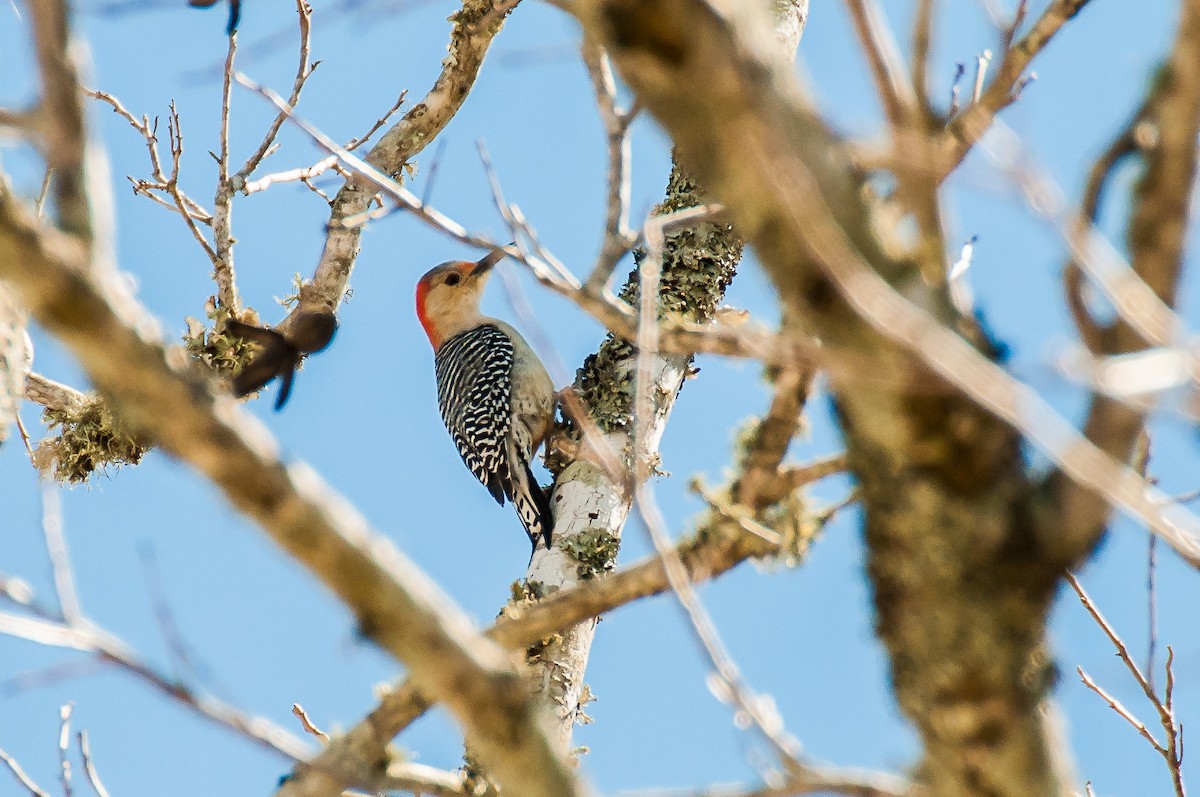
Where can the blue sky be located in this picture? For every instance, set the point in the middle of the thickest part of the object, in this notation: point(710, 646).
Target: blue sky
point(364, 412)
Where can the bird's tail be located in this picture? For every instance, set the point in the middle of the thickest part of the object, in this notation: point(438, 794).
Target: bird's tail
point(533, 507)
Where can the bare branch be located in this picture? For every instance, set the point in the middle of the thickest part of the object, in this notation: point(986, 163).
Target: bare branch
point(24, 122)
point(291, 175)
point(303, 72)
point(175, 138)
point(20, 775)
point(1172, 751)
point(46, 629)
point(1125, 713)
point(395, 603)
point(149, 131)
point(1098, 178)
point(1162, 203)
point(53, 395)
point(617, 236)
point(61, 121)
point(64, 737)
point(89, 767)
point(60, 562)
point(822, 780)
point(355, 143)
point(474, 27)
point(911, 122)
point(760, 710)
point(222, 252)
point(887, 68)
point(799, 200)
point(346, 762)
point(973, 121)
point(422, 780)
point(306, 723)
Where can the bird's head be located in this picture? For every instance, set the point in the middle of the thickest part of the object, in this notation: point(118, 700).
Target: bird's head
point(448, 296)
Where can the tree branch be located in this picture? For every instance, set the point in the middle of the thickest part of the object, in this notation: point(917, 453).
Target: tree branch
point(948, 534)
point(973, 121)
point(1162, 203)
point(61, 122)
point(356, 758)
point(474, 27)
point(395, 603)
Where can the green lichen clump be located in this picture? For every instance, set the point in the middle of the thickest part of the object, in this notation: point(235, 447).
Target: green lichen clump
point(698, 264)
point(89, 439)
point(527, 591)
point(594, 550)
point(524, 592)
point(225, 354)
point(798, 527)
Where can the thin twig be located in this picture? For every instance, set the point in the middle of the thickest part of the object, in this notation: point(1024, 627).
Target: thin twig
point(922, 39)
point(355, 143)
point(732, 688)
point(969, 125)
point(981, 66)
point(1110, 632)
point(48, 629)
point(883, 56)
point(303, 71)
point(60, 561)
point(1124, 713)
point(89, 766)
point(291, 175)
point(64, 738)
point(1151, 605)
point(960, 69)
point(175, 137)
point(224, 273)
point(160, 181)
point(20, 775)
point(523, 232)
point(617, 236)
point(307, 724)
point(40, 205)
point(177, 649)
point(1174, 729)
point(431, 174)
point(1172, 751)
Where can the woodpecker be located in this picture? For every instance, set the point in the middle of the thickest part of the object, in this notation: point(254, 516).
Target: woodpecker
point(493, 392)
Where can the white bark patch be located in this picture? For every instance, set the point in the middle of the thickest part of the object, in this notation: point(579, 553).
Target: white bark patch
point(15, 359)
point(586, 500)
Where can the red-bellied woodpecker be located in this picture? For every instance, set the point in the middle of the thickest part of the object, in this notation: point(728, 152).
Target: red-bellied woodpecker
point(494, 393)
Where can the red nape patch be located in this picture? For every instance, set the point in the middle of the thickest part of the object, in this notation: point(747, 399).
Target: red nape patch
point(430, 332)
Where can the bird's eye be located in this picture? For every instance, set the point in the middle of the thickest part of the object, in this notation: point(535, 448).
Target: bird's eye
point(453, 279)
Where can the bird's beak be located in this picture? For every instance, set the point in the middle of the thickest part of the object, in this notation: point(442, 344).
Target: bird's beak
point(490, 259)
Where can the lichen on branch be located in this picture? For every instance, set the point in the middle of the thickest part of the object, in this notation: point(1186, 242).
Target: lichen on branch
point(89, 438)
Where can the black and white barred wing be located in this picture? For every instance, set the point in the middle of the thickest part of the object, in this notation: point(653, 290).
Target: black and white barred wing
point(474, 378)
